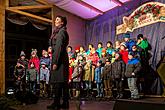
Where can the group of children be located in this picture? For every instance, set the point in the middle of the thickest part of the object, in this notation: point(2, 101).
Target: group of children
point(108, 68)
point(103, 68)
point(30, 73)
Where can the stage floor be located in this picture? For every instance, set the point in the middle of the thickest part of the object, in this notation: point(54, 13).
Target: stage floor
point(88, 105)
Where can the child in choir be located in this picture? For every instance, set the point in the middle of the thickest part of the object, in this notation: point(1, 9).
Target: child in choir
point(88, 77)
point(136, 52)
point(44, 79)
point(82, 51)
point(117, 46)
point(103, 56)
point(107, 78)
point(34, 58)
point(45, 58)
point(77, 50)
point(99, 49)
point(19, 73)
point(33, 78)
point(71, 62)
point(90, 46)
point(118, 70)
point(132, 71)
point(23, 60)
point(109, 48)
point(123, 52)
point(98, 79)
point(129, 42)
point(77, 78)
point(93, 57)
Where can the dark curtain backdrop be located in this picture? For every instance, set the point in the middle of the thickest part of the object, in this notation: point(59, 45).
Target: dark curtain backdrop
point(103, 29)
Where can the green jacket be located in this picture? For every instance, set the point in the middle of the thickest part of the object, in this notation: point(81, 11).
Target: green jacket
point(144, 45)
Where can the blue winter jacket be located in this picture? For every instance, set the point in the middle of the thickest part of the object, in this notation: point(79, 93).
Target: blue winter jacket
point(129, 44)
point(98, 72)
point(133, 66)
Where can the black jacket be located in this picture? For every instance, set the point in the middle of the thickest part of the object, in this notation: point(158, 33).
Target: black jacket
point(118, 69)
point(133, 66)
point(59, 42)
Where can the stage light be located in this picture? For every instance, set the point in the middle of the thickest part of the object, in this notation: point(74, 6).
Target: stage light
point(10, 91)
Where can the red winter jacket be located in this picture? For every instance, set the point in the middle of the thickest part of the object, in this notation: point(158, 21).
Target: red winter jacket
point(124, 55)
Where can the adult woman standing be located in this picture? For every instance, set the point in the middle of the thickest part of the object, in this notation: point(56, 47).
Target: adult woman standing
point(59, 41)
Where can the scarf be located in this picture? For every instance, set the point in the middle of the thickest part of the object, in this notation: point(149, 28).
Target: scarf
point(55, 31)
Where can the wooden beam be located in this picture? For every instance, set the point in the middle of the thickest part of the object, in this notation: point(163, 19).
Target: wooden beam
point(7, 3)
point(30, 15)
point(53, 16)
point(30, 7)
point(2, 46)
point(118, 2)
point(89, 6)
point(44, 2)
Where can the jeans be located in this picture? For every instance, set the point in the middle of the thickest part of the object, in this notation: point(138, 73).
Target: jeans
point(133, 87)
point(88, 85)
point(99, 89)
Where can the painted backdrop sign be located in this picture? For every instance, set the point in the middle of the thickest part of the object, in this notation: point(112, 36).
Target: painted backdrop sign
point(146, 14)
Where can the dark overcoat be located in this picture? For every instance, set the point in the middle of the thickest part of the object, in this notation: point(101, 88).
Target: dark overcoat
point(59, 42)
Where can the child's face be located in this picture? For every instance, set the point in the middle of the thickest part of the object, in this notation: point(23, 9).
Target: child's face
point(117, 43)
point(33, 55)
point(88, 62)
point(103, 54)
point(130, 57)
point(107, 63)
point(43, 66)
point(98, 64)
point(69, 49)
point(122, 47)
point(99, 45)
point(22, 57)
point(126, 39)
point(134, 48)
point(117, 56)
point(81, 49)
point(76, 50)
point(90, 47)
point(50, 49)
point(108, 45)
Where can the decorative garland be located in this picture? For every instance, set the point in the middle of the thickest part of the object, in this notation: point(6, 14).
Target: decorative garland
point(146, 14)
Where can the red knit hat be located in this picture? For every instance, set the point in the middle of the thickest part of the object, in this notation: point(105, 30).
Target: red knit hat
point(77, 48)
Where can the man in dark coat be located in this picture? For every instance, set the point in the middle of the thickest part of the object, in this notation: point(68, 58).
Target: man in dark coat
point(60, 64)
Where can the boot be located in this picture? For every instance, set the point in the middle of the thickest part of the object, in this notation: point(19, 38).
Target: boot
point(53, 106)
point(65, 105)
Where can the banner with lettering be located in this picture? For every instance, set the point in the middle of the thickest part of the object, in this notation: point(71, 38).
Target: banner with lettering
point(149, 13)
